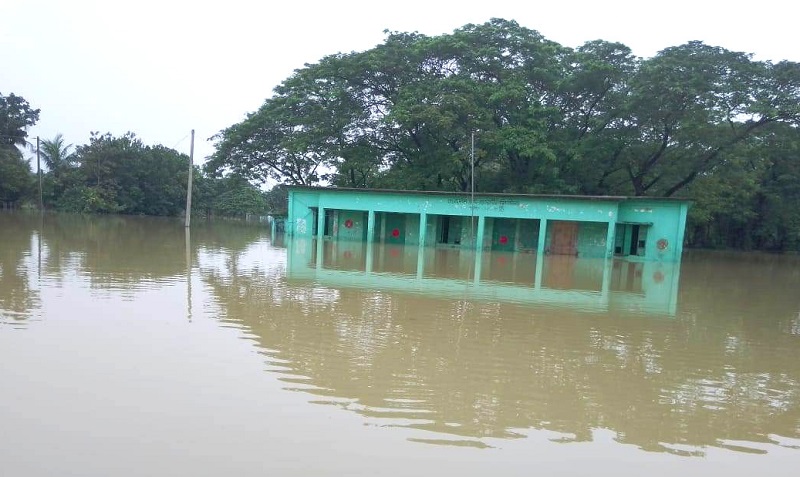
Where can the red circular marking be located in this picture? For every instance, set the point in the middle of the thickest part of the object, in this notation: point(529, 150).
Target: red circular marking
point(348, 223)
point(396, 233)
point(662, 244)
point(503, 240)
point(501, 260)
point(393, 252)
point(658, 277)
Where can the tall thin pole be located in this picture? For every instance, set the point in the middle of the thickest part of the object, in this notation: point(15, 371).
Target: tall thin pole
point(39, 173)
point(188, 239)
point(472, 189)
point(189, 185)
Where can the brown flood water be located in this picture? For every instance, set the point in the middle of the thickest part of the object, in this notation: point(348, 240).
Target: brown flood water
point(128, 349)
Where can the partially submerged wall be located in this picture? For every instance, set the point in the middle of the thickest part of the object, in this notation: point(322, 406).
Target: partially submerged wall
point(494, 222)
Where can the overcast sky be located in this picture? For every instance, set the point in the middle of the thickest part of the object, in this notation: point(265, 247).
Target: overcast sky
point(161, 68)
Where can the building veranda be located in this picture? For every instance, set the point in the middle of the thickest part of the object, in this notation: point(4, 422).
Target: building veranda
point(638, 228)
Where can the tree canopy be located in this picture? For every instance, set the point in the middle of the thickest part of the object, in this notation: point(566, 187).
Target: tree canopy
point(690, 121)
point(16, 116)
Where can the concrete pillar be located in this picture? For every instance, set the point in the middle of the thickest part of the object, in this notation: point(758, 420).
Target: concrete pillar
point(320, 250)
point(423, 226)
point(478, 265)
point(370, 247)
point(537, 281)
point(335, 224)
point(676, 275)
point(608, 265)
point(479, 248)
point(479, 233)
point(370, 226)
point(542, 236)
point(320, 222)
point(681, 232)
point(320, 235)
point(612, 226)
point(420, 260)
point(383, 227)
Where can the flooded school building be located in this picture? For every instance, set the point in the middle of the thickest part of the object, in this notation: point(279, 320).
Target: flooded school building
point(584, 226)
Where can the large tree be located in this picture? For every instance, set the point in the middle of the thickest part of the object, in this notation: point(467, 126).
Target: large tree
point(16, 116)
point(547, 118)
point(120, 174)
point(695, 120)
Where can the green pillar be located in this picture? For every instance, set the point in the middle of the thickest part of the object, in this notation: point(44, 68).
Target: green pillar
point(423, 226)
point(478, 264)
point(681, 232)
point(537, 281)
point(382, 235)
point(676, 275)
point(542, 236)
point(420, 260)
point(320, 235)
point(479, 233)
point(370, 226)
point(612, 227)
point(320, 250)
point(320, 223)
point(605, 292)
point(369, 246)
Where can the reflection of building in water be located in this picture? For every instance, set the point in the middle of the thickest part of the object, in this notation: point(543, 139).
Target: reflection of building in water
point(412, 352)
point(602, 226)
point(586, 283)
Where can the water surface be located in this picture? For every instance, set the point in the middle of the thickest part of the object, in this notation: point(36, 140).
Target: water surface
point(130, 348)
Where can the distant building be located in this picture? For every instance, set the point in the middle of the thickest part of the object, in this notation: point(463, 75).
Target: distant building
point(584, 226)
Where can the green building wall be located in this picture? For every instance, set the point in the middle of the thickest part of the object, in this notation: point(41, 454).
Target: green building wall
point(604, 226)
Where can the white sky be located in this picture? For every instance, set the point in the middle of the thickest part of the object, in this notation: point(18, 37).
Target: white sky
point(162, 68)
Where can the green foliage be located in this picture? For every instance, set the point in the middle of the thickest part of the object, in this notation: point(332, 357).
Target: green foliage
point(110, 174)
point(548, 118)
point(89, 200)
point(695, 120)
point(277, 200)
point(16, 116)
point(229, 196)
point(120, 175)
point(237, 198)
point(16, 181)
point(56, 154)
point(751, 200)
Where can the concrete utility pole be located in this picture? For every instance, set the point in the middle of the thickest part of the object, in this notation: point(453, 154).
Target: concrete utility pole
point(472, 188)
point(189, 185)
point(39, 173)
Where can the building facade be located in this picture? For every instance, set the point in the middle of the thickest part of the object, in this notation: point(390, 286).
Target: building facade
point(583, 226)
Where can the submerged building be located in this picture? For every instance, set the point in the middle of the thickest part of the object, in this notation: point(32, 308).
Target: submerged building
point(639, 228)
